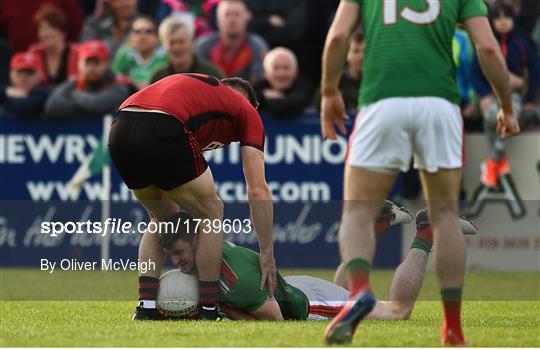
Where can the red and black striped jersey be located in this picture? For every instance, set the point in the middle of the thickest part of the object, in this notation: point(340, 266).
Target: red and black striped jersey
point(215, 113)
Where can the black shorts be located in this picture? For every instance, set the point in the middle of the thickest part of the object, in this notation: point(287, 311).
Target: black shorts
point(154, 149)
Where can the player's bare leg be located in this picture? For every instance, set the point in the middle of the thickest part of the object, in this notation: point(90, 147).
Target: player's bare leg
point(409, 276)
point(441, 191)
point(391, 214)
point(364, 194)
point(410, 273)
point(159, 207)
point(407, 279)
point(405, 288)
point(200, 199)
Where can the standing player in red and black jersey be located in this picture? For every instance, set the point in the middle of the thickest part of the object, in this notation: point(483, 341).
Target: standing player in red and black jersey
point(156, 143)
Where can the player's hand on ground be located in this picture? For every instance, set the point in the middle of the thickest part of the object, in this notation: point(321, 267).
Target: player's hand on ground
point(268, 272)
point(507, 124)
point(332, 112)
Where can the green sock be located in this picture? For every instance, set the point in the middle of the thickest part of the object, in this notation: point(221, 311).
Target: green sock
point(419, 243)
point(358, 264)
point(451, 293)
point(358, 272)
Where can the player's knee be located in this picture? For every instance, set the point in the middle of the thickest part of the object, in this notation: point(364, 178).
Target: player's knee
point(218, 206)
point(212, 207)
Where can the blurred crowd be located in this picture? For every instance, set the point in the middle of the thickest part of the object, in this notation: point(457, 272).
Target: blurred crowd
point(70, 59)
point(67, 59)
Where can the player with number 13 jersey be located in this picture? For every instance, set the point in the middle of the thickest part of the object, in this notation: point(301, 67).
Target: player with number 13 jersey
point(408, 109)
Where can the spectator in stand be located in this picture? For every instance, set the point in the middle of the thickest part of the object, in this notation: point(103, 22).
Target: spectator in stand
point(319, 16)
point(58, 58)
point(18, 26)
point(111, 23)
point(283, 94)
point(24, 96)
point(234, 50)
point(143, 55)
point(176, 33)
point(524, 79)
point(463, 59)
point(279, 22)
point(202, 11)
point(529, 14)
point(95, 92)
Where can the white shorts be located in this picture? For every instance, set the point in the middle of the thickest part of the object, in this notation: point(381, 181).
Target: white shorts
point(389, 132)
point(325, 298)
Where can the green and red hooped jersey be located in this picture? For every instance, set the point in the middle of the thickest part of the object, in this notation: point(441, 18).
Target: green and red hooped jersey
point(240, 279)
point(408, 47)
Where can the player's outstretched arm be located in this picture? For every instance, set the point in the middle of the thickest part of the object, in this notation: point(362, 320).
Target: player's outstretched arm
point(335, 51)
point(262, 212)
point(494, 68)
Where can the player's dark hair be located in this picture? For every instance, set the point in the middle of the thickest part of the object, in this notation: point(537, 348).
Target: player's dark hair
point(178, 226)
point(54, 16)
point(357, 37)
point(502, 9)
point(147, 18)
point(243, 86)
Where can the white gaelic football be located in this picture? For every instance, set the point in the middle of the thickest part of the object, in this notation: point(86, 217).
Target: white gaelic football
point(178, 293)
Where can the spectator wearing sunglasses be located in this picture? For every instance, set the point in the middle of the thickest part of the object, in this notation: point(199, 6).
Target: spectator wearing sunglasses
point(143, 55)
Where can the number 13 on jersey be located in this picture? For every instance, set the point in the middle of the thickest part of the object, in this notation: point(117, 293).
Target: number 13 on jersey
point(390, 12)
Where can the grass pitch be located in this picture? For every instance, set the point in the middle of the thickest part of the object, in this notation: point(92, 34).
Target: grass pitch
point(503, 310)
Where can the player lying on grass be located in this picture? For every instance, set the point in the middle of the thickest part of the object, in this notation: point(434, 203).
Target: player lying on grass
point(156, 144)
point(305, 297)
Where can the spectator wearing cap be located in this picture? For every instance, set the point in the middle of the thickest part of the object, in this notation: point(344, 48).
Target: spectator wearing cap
point(143, 55)
point(24, 96)
point(283, 93)
point(57, 57)
point(111, 23)
point(176, 33)
point(233, 49)
point(95, 92)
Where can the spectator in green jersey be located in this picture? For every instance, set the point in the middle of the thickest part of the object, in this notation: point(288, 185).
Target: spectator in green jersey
point(143, 55)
